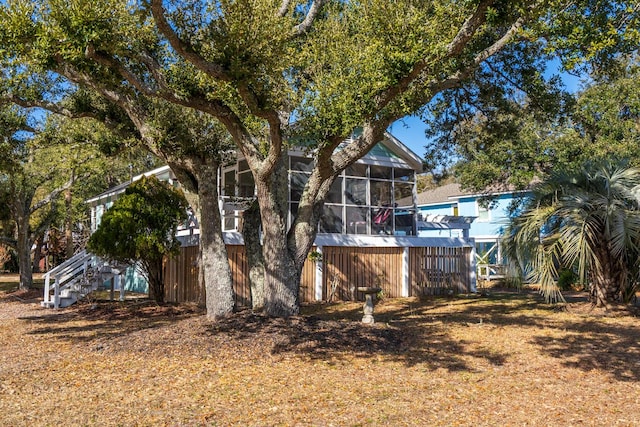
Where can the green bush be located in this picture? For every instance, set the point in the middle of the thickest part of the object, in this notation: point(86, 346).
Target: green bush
point(566, 278)
point(140, 228)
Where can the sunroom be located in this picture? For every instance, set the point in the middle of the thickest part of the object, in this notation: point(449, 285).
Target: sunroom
point(374, 196)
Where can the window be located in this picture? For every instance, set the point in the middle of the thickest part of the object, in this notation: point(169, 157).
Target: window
point(357, 220)
point(246, 185)
point(229, 220)
point(382, 220)
point(483, 213)
point(403, 222)
point(335, 192)
point(380, 172)
point(298, 181)
point(302, 164)
point(380, 193)
point(331, 219)
point(356, 169)
point(355, 191)
point(405, 175)
point(230, 183)
point(364, 199)
point(403, 193)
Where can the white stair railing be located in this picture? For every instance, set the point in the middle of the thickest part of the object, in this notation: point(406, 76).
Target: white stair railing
point(74, 278)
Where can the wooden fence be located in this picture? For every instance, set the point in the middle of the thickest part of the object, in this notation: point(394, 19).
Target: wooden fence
point(430, 271)
point(347, 268)
point(439, 270)
point(181, 277)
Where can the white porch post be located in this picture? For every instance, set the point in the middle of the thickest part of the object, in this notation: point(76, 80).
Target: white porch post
point(119, 285)
point(56, 293)
point(405, 271)
point(47, 287)
point(319, 267)
point(473, 280)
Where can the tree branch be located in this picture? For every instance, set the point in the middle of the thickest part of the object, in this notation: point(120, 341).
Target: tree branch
point(469, 28)
point(460, 40)
point(455, 79)
point(184, 48)
point(43, 226)
point(52, 195)
point(283, 8)
point(372, 133)
point(45, 105)
point(13, 243)
point(307, 23)
point(231, 121)
point(111, 63)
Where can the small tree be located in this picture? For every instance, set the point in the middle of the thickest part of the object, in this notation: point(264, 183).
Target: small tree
point(587, 217)
point(141, 227)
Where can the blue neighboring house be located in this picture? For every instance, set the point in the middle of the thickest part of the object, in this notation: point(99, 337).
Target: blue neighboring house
point(449, 203)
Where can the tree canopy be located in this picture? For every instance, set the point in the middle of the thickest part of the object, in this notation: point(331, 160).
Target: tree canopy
point(44, 156)
point(511, 143)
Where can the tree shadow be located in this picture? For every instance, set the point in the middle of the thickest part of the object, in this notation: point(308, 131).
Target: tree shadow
point(331, 338)
point(107, 320)
point(595, 345)
point(412, 332)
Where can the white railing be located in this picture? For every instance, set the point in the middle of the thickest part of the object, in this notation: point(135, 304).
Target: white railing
point(74, 275)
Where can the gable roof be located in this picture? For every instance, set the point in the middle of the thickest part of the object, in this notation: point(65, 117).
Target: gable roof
point(390, 151)
point(442, 194)
point(163, 172)
point(449, 193)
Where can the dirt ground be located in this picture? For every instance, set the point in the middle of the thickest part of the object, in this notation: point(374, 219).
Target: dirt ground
point(503, 358)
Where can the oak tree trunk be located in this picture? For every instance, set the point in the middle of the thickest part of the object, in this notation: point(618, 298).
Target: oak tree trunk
point(214, 262)
point(214, 273)
point(285, 251)
point(23, 248)
point(255, 258)
point(281, 275)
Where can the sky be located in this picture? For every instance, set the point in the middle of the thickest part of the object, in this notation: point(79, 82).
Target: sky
point(410, 129)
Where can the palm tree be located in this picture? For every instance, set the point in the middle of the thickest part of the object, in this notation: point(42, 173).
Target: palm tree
point(587, 218)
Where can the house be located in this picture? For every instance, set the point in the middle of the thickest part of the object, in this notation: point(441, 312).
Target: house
point(486, 214)
point(368, 234)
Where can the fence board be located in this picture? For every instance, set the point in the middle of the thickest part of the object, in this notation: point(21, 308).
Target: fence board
point(181, 277)
point(308, 281)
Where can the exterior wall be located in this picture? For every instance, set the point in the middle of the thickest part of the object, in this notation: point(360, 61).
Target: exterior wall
point(439, 209)
point(486, 231)
point(498, 216)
